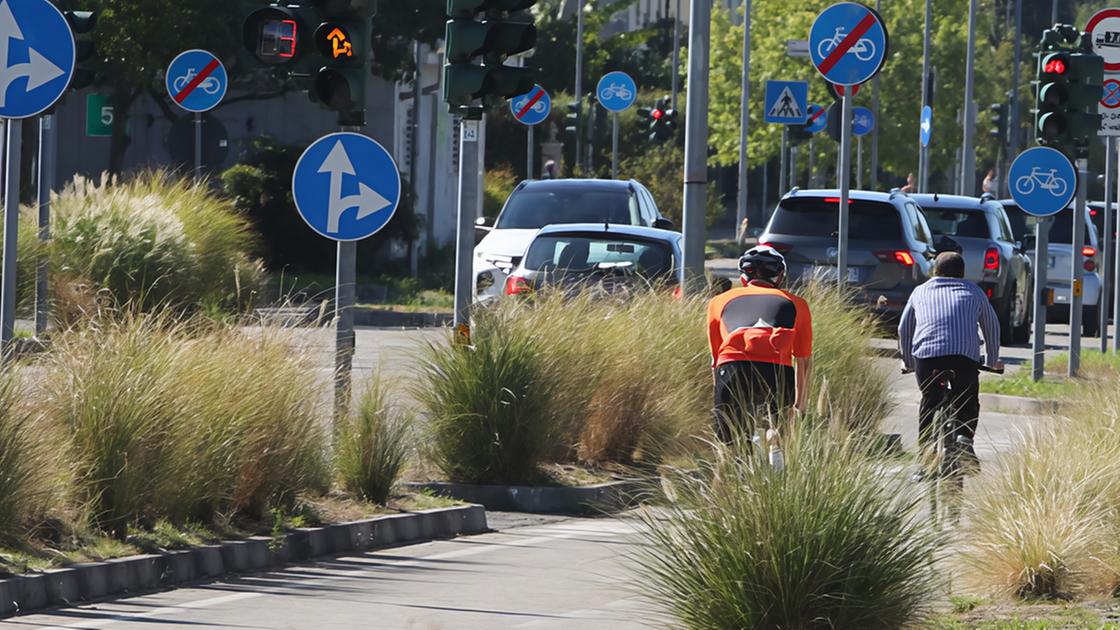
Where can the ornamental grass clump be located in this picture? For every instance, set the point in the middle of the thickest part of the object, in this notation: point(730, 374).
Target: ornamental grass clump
point(1045, 522)
point(373, 444)
point(32, 476)
point(181, 420)
point(828, 542)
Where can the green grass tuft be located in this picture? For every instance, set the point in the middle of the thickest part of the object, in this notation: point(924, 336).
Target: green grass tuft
point(373, 444)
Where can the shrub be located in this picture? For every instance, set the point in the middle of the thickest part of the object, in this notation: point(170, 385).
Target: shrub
point(30, 472)
point(661, 169)
point(372, 445)
point(487, 405)
point(151, 240)
point(829, 542)
point(169, 420)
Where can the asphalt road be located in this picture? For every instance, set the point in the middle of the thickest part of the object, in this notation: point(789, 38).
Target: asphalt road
point(535, 572)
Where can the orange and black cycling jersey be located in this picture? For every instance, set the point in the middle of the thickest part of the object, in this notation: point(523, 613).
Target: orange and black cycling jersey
point(759, 323)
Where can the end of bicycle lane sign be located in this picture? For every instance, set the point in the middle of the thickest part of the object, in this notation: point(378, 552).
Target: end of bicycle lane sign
point(1042, 181)
point(616, 91)
point(196, 80)
point(848, 43)
point(531, 108)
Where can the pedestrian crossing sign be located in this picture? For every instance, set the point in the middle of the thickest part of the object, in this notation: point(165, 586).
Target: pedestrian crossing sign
point(787, 102)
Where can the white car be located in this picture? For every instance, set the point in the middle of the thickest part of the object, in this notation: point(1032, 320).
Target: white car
point(535, 204)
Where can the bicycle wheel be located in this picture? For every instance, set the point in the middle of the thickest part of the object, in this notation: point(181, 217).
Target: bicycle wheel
point(1024, 185)
point(825, 47)
point(179, 83)
point(1058, 187)
point(866, 50)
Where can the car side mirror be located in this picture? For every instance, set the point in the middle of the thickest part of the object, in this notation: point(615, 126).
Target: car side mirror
point(480, 224)
point(946, 244)
point(664, 224)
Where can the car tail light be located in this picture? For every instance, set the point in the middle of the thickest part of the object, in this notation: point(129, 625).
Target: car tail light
point(988, 292)
point(991, 260)
point(901, 257)
point(835, 200)
point(780, 247)
point(1090, 264)
point(1089, 253)
point(678, 293)
point(516, 285)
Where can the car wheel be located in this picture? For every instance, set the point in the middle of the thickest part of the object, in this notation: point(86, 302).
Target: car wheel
point(1090, 321)
point(1003, 312)
point(1021, 332)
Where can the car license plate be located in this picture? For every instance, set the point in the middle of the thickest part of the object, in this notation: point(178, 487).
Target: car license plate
point(828, 273)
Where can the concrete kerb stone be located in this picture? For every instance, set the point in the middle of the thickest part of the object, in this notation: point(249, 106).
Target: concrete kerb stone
point(97, 580)
point(1018, 405)
point(608, 497)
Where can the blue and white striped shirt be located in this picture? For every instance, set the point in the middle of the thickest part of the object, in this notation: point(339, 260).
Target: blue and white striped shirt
point(940, 319)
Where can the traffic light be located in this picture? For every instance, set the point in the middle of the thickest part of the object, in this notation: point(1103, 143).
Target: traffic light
point(572, 118)
point(82, 24)
point(501, 32)
point(275, 35)
point(999, 121)
point(799, 134)
point(662, 121)
point(1069, 89)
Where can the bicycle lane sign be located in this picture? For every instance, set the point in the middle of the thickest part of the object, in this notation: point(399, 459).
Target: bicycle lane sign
point(196, 80)
point(848, 43)
point(616, 91)
point(1043, 181)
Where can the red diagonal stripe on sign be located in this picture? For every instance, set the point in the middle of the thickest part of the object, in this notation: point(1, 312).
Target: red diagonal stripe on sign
point(532, 101)
point(820, 112)
point(196, 81)
point(838, 53)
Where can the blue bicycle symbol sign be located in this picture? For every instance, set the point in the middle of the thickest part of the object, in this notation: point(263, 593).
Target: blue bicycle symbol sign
point(616, 91)
point(1048, 181)
point(863, 49)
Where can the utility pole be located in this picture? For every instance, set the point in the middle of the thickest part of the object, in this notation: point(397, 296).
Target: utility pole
point(1015, 125)
point(744, 117)
point(968, 151)
point(696, 144)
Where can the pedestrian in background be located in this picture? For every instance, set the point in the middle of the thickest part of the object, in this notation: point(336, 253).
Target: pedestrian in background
point(991, 184)
point(909, 187)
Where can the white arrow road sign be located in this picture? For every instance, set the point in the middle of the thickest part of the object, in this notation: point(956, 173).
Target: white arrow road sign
point(367, 201)
point(38, 69)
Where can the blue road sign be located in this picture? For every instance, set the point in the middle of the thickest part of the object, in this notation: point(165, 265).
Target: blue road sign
point(344, 172)
point(1043, 181)
point(818, 119)
point(36, 57)
point(617, 91)
point(863, 121)
point(196, 80)
point(787, 102)
point(926, 125)
point(848, 43)
point(532, 108)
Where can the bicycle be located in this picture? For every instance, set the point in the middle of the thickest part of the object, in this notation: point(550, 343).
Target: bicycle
point(945, 470)
point(864, 49)
point(1050, 182)
point(210, 85)
point(615, 90)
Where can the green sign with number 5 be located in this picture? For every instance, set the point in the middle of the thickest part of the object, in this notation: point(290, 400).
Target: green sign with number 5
point(99, 116)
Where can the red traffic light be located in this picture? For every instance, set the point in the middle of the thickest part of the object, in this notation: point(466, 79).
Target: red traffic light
point(657, 114)
point(1055, 66)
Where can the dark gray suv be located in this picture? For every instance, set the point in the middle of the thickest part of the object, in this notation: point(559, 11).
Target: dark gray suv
point(890, 247)
point(994, 258)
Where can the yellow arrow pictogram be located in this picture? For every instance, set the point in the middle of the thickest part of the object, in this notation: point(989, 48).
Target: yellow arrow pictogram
point(340, 45)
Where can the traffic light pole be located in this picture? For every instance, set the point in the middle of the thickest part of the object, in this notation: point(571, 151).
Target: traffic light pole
point(614, 145)
point(1041, 296)
point(11, 231)
point(968, 149)
point(845, 177)
point(48, 143)
point(1078, 269)
point(464, 239)
point(1106, 241)
point(696, 145)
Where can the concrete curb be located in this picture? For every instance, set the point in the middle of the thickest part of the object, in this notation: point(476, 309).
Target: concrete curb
point(1018, 405)
point(607, 497)
point(135, 574)
point(387, 318)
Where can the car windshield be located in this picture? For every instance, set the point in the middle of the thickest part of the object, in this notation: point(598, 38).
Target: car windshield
point(1061, 225)
point(534, 209)
point(589, 254)
point(955, 222)
point(819, 216)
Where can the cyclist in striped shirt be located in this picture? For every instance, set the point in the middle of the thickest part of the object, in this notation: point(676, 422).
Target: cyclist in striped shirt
point(938, 332)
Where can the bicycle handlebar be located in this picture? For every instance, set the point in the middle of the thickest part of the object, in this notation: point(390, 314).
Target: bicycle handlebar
point(979, 366)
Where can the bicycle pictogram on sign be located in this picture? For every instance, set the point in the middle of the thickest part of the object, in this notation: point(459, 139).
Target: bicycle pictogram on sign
point(1048, 181)
point(863, 48)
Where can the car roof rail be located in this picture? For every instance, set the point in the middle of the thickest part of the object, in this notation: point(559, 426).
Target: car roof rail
point(793, 191)
point(987, 196)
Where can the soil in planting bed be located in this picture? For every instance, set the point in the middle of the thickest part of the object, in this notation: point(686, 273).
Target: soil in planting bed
point(1031, 616)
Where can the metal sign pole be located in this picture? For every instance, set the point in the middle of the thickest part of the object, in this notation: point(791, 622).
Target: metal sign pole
point(1116, 263)
point(783, 165)
point(845, 175)
point(859, 163)
point(1078, 269)
point(579, 89)
point(345, 293)
point(923, 151)
point(744, 115)
point(48, 140)
point(696, 144)
point(529, 156)
point(198, 146)
point(1041, 293)
point(793, 166)
point(968, 150)
point(1106, 241)
point(812, 161)
point(11, 232)
point(614, 146)
point(464, 241)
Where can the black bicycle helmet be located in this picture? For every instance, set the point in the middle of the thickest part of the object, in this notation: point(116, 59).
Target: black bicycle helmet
point(762, 263)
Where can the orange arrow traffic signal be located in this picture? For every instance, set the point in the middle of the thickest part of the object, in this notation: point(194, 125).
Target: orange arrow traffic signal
point(340, 44)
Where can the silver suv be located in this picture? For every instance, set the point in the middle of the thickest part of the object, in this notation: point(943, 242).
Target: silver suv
point(994, 258)
point(890, 246)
